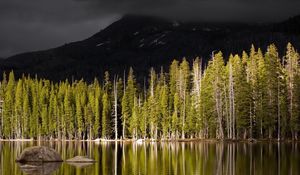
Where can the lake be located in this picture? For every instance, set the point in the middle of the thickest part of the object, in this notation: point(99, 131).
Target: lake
point(188, 158)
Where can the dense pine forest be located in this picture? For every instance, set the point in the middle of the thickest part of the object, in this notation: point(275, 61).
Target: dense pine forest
point(253, 95)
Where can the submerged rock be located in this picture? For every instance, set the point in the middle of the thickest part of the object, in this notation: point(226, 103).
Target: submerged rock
point(39, 154)
point(81, 159)
point(39, 168)
point(80, 164)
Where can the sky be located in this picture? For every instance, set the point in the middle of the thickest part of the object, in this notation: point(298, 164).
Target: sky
point(30, 25)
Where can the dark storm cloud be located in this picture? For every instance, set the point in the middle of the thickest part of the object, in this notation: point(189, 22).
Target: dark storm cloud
point(217, 10)
point(40, 24)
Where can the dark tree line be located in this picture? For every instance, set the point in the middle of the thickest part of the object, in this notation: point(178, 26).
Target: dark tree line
point(253, 95)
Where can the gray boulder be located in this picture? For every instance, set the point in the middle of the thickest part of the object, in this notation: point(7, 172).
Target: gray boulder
point(39, 154)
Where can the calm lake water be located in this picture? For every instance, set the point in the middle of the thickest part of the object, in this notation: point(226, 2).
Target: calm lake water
point(162, 158)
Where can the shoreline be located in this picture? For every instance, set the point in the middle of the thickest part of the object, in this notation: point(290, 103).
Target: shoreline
point(157, 141)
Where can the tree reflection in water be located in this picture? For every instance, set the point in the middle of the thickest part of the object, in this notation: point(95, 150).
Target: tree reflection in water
point(203, 158)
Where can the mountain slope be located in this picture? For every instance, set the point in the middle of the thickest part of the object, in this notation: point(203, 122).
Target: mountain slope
point(143, 42)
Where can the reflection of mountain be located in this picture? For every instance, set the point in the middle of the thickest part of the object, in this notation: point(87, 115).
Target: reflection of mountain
point(142, 42)
point(38, 168)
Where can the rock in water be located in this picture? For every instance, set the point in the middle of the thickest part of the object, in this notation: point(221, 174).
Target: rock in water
point(39, 154)
point(80, 159)
point(81, 164)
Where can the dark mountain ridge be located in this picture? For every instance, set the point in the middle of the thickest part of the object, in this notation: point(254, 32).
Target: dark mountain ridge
point(143, 42)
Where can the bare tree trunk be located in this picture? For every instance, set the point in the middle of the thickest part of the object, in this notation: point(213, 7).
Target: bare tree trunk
point(139, 104)
point(152, 128)
point(233, 113)
point(251, 122)
point(219, 110)
point(290, 85)
point(91, 135)
point(1, 110)
point(116, 105)
point(197, 70)
point(228, 119)
point(199, 93)
point(183, 116)
point(124, 117)
point(123, 129)
point(278, 110)
point(231, 104)
point(261, 120)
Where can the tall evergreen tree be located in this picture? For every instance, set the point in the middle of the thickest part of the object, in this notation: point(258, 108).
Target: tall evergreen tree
point(218, 85)
point(184, 82)
point(242, 98)
point(26, 109)
point(195, 120)
point(18, 110)
point(79, 109)
point(8, 107)
point(293, 86)
point(2, 97)
point(272, 74)
point(69, 121)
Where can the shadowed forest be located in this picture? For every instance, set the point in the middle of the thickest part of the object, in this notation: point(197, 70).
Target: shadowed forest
point(253, 95)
